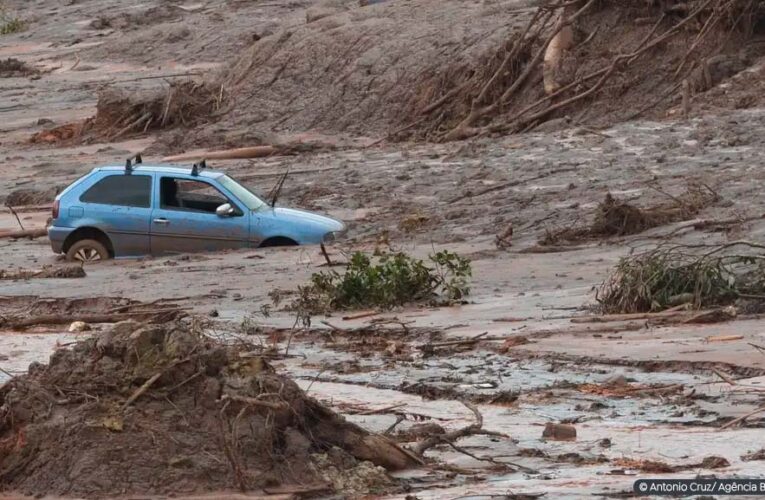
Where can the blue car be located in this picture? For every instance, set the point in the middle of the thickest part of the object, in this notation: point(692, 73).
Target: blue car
point(140, 210)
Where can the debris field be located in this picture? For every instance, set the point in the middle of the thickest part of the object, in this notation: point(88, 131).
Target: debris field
point(551, 284)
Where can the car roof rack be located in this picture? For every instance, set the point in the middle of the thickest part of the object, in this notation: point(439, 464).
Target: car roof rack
point(130, 161)
point(197, 167)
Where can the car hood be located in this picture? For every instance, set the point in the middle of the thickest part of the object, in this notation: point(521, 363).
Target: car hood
point(302, 217)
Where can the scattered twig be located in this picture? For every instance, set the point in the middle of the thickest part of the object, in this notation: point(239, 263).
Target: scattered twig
point(15, 215)
point(361, 315)
point(742, 418)
point(381, 410)
point(255, 402)
point(760, 348)
point(326, 255)
point(450, 343)
point(137, 394)
point(726, 378)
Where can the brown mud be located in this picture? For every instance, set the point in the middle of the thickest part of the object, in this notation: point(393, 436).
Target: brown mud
point(641, 394)
point(157, 410)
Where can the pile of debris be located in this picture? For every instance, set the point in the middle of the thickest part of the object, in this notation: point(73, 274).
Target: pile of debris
point(615, 217)
point(14, 68)
point(21, 312)
point(672, 276)
point(161, 409)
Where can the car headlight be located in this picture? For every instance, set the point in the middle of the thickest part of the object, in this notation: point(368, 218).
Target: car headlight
point(333, 236)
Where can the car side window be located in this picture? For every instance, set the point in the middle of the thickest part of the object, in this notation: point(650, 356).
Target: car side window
point(189, 195)
point(124, 190)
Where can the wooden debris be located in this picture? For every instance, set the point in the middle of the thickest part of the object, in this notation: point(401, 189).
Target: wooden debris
point(137, 394)
point(28, 233)
point(724, 376)
point(742, 418)
point(228, 154)
point(377, 411)
point(365, 314)
point(723, 338)
point(49, 272)
point(420, 448)
point(157, 315)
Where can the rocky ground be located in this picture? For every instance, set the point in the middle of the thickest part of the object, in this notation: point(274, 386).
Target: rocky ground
point(647, 399)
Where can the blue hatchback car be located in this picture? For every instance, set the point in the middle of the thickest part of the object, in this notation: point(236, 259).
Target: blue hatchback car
point(132, 211)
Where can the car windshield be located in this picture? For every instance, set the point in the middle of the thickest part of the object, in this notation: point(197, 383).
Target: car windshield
point(244, 195)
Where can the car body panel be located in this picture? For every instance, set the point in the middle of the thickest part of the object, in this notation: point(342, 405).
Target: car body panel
point(135, 231)
point(179, 231)
point(298, 225)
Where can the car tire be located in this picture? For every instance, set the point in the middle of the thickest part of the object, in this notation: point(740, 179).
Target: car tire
point(87, 251)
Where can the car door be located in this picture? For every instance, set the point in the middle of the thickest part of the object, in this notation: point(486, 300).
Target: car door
point(119, 204)
point(184, 218)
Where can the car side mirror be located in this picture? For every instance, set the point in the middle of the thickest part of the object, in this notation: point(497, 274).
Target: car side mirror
point(225, 210)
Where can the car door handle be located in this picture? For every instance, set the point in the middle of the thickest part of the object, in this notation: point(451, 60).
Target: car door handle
point(161, 221)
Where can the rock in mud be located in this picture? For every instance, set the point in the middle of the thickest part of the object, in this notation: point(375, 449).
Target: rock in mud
point(78, 326)
point(559, 432)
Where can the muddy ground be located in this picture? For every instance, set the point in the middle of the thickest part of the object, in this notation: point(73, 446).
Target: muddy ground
point(638, 393)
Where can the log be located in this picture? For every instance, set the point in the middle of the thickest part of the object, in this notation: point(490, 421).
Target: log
point(28, 233)
point(227, 154)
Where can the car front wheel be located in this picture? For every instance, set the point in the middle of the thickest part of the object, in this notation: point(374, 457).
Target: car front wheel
point(87, 251)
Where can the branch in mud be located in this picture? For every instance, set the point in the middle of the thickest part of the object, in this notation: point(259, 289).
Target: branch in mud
point(472, 430)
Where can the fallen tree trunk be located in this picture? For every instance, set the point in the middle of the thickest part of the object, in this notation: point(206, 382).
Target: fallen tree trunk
point(27, 233)
point(228, 154)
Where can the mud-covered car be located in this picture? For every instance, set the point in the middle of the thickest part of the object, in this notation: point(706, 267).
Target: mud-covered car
point(140, 210)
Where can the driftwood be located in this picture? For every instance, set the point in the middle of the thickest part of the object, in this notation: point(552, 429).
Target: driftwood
point(28, 233)
point(228, 154)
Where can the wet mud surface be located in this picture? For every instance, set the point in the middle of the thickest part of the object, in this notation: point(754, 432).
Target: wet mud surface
point(636, 392)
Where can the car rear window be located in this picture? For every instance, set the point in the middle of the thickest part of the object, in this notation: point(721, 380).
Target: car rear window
point(124, 190)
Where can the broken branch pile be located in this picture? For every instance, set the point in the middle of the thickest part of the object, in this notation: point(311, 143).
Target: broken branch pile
point(618, 218)
point(590, 58)
point(22, 312)
point(672, 275)
point(182, 103)
point(160, 409)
